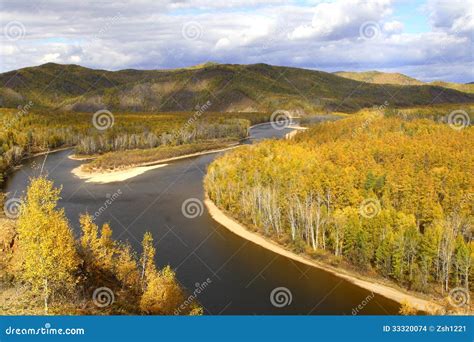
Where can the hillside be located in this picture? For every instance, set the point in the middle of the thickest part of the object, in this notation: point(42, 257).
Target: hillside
point(467, 88)
point(378, 77)
point(257, 87)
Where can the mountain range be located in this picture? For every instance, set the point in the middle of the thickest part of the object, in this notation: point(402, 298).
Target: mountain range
point(228, 87)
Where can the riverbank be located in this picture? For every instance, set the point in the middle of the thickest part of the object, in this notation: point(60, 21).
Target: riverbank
point(109, 176)
point(114, 176)
point(37, 154)
point(384, 290)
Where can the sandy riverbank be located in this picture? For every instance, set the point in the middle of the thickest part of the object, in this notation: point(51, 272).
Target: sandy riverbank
point(112, 176)
point(81, 158)
point(381, 289)
point(38, 154)
point(125, 173)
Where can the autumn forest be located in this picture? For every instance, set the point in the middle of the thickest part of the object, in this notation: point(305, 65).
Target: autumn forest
point(377, 192)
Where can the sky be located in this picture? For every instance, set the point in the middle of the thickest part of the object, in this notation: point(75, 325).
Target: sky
point(429, 39)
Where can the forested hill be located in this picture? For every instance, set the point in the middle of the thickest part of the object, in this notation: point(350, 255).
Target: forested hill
point(400, 79)
point(257, 87)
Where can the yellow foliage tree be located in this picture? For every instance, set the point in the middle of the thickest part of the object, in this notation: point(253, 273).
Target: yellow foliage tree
point(90, 232)
point(163, 294)
point(407, 309)
point(147, 260)
point(98, 250)
point(46, 241)
point(107, 248)
point(126, 266)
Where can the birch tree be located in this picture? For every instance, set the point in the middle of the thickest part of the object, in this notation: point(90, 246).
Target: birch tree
point(46, 242)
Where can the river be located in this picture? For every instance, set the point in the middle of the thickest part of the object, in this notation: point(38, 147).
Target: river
point(243, 275)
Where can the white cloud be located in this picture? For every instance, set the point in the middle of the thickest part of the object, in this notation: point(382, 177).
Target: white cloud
point(393, 26)
point(148, 34)
point(342, 19)
point(50, 57)
point(75, 59)
point(456, 16)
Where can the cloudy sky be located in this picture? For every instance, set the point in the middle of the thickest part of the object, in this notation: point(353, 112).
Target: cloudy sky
point(426, 39)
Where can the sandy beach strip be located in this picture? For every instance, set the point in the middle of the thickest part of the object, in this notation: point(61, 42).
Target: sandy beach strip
point(381, 289)
point(113, 176)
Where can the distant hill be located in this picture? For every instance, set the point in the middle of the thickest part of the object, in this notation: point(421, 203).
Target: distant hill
point(467, 87)
point(378, 77)
point(257, 87)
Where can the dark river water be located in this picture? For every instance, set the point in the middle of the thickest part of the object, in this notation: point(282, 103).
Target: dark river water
point(243, 275)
